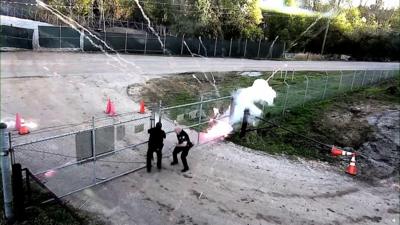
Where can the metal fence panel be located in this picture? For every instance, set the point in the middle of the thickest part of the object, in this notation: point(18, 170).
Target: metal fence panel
point(15, 37)
point(58, 37)
point(114, 40)
point(136, 43)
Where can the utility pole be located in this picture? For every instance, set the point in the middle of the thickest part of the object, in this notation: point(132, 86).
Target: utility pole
point(6, 172)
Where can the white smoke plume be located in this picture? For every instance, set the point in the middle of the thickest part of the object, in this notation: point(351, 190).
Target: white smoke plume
point(246, 98)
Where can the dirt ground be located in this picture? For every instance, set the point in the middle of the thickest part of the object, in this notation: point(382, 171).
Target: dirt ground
point(226, 184)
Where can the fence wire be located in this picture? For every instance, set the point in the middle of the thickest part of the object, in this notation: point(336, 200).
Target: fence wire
point(101, 149)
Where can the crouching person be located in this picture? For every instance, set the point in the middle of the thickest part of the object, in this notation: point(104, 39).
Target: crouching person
point(184, 144)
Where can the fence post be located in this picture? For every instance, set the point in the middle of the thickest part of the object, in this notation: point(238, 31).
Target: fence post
point(372, 77)
point(94, 150)
point(105, 35)
point(380, 76)
point(183, 39)
point(230, 48)
point(198, 50)
point(258, 51)
point(285, 75)
point(165, 40)
point(145, 44)
point(6, 172)
point(200, 109)
point(159, 111)
point(215, 46)
point(284, 49)
point(352, 82)
point(286, 98)
point(245, 48)
point(362, 83)
point(341, 78)
point(326, 85)
point(153, 116)
point(126, 40)
point(60, 36)
point(305, 93)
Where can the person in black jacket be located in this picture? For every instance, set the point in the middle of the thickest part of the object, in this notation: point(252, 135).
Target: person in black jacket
point(156, 143)
point(183, 146)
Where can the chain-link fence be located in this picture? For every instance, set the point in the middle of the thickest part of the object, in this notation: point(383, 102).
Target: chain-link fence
point(129, 37)
point(98, 151)
point(297, 88)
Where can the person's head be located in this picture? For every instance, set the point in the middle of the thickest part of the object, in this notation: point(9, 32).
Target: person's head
point(178, 130)
point(159, 125)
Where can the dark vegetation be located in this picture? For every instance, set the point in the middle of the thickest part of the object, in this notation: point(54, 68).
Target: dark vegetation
point(51, 213)
point(363, 32)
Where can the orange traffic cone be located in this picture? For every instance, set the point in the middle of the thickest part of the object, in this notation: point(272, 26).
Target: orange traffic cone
point(336, 152)
point(112, 109)
point(23, 130)
point(142, 110)
point(108, 109)
point(17, 121)
point(352, 169)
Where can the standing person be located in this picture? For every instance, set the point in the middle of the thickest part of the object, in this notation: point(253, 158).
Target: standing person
point(156, 143)
point(183, 146)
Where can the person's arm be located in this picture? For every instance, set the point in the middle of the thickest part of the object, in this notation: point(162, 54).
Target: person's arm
point(164, 136)
point(183, 144)
point(187, 138)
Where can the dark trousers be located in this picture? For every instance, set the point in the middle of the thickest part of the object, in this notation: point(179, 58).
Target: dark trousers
point(185, 152)
point(149, 157)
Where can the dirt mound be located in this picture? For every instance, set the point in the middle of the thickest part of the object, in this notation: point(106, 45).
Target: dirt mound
point(371, 128)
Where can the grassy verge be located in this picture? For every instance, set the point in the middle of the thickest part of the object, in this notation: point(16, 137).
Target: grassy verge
point(305, 96)
point(309, 120)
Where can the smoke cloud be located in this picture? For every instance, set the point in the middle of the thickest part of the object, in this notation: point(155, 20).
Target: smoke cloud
point(246, 98)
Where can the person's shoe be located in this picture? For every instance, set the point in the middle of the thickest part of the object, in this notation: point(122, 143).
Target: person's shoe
point(184, 170)
point(149, 171)
point(174, 163)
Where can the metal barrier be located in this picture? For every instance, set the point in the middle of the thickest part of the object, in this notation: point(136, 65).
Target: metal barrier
point(72, 161)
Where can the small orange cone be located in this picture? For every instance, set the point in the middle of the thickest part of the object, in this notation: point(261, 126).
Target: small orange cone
point(352, 169)
point(336, 152)
point(17, 121)
point(108, 109)
point(23, 130)
point(112, 109)
point(142, 110)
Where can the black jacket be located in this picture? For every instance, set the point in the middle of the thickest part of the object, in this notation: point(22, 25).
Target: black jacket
point(182, 137)
point(157, 137)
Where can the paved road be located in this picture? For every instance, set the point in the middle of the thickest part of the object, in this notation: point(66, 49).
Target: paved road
point(17, 64)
